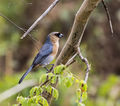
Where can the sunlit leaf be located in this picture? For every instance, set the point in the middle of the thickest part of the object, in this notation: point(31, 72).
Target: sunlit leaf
point(55, 93)
point(59, 69)
point(43, 78)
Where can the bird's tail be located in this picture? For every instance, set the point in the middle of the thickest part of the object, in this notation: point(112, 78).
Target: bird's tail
point(26, 73)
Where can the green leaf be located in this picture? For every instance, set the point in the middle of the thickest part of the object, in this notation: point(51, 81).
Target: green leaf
point(50, 75)
point(84, 96)
point(68, 80)
point(41, 100)
point(45, 103)
point(33, 91)
point(43, 78)
point(81, 104)
point(31, 100)
point(78, 93)
point(77, 81)
point(39, 91)
point(15, 105)
point(53, 80)
point(49, 89)
point(55, 93)
point(83, 86)
point(59, 69)
point(22, 100)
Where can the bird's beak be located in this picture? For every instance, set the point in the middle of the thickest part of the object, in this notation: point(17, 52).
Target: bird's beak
point(61, 35)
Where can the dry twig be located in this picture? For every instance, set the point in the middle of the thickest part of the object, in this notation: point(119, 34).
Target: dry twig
point(6, 18)
point(40, 18)
point(108, 16)
point(87, 70)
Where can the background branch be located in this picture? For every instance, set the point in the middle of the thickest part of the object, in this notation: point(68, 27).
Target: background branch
point(12, 91)
point(18, 27)
point(108, 16)
point(40, 18)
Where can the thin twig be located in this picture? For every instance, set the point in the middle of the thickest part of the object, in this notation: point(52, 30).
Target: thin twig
point(87, 70)
point(87, 64)
point(40, 18)
point(108, 17)
point(2, 15)
point(71, 60)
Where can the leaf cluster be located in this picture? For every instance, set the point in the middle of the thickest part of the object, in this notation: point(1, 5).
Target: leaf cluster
point(47, 80)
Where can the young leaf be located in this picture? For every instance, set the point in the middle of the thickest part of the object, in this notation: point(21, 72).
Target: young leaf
point(78, 93)
point(84, 96)
point(59, 69)
point(83, 86)
point(22, 100)
point(43, 78)
point(33, 91)
point(53, 80)
point(41, 100)
point(81, 104)
point(45, 103)
point(69, 80)
point(49, 89)
point(50, 75)
point(55, 93)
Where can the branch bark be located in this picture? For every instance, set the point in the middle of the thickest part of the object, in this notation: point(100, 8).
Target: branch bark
point(12, 91)
point(76, 34)
point(77, 31)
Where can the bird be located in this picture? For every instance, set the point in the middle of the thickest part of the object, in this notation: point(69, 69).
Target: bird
point(46, 53)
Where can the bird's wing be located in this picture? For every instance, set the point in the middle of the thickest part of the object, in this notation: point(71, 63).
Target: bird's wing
point(43, 53)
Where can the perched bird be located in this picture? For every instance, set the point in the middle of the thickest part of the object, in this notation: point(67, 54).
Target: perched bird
point(47, 52)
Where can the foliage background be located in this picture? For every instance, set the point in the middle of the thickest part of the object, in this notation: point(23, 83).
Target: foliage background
point(98, 45)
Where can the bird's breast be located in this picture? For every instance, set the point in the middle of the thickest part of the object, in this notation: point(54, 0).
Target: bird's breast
point(55, 48)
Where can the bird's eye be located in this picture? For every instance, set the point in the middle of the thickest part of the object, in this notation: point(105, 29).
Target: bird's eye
point(57, 34)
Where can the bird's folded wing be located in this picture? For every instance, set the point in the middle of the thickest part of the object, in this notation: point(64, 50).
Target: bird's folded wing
point(45, 51)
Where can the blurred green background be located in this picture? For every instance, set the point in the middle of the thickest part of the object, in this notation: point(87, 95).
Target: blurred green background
point(98, 45)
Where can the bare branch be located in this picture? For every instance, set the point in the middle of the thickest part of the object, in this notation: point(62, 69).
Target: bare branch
point(108, 16)
point(2, 15)
point(12, 91)
point(87, 64)
point(77, 31)
point(40, 18)
point(71, 60)
point(11, 22)
point(87, 70)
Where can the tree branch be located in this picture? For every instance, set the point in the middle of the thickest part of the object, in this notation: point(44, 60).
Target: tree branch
point(40, 18)
point(12, 91)
point(108, 17)
point(86, 62)
point(10, 21)
point(76, 35)
point(77, 31)
point(87, 70)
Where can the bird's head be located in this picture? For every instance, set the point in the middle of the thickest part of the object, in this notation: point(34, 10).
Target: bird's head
point(56, 35)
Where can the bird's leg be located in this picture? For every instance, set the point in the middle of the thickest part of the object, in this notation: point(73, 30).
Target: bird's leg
point(49, 70)
point(51, 67)
point(46, 69)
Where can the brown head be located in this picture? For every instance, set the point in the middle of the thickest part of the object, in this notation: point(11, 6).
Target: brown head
point(55, 36)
